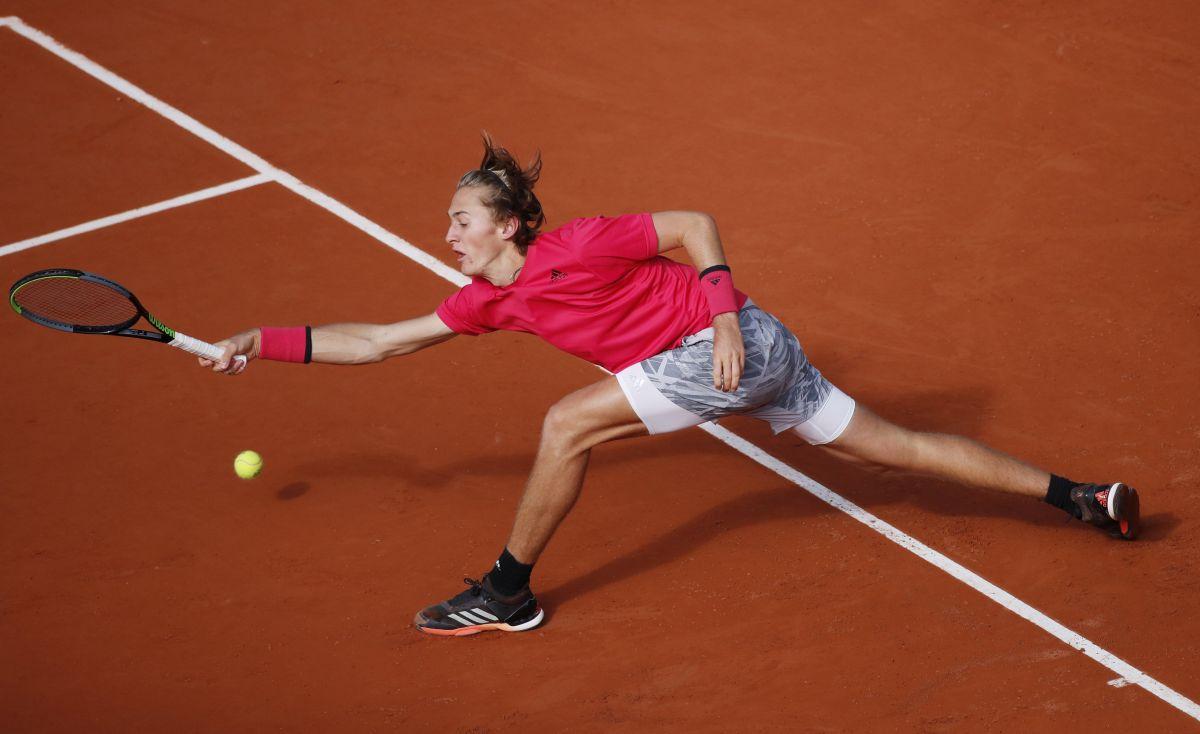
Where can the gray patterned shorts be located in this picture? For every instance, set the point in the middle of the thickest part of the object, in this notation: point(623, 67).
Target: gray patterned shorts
point(673, 389)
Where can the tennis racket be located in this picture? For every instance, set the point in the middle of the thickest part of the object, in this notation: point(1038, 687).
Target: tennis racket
point(85, 303)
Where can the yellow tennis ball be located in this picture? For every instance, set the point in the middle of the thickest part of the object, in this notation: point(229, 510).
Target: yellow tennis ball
point(248, 464)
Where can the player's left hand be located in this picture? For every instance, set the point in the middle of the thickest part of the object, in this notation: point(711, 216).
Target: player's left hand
point(729, 352)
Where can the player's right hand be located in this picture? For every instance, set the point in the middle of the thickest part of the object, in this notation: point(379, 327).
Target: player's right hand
point(245, 344)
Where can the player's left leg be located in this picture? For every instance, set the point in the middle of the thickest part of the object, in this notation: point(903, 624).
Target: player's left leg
point(575, 424)
point(502, 600)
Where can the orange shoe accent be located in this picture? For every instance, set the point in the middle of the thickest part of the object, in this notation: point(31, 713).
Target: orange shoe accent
point(460, 632)
point(1131, 524)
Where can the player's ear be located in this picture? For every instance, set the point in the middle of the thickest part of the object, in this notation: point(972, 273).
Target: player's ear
point(510, 228)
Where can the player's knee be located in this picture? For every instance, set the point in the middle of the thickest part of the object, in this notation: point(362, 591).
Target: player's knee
point(561, 430)
point(905, 450)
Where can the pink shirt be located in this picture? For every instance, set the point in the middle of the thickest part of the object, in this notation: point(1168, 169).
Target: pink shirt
point(595, 288)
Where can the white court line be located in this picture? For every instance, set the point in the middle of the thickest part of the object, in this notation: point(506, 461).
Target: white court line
point(953, 568)
point(337, 208)
point(201, 195)
point(1128, 673)
point(231, 148)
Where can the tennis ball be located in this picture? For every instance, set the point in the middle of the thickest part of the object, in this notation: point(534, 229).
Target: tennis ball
point(248, 464)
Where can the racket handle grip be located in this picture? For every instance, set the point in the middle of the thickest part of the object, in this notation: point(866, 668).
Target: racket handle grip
point(200, 348)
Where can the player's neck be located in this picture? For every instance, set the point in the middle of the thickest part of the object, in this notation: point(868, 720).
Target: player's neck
point(504, 269)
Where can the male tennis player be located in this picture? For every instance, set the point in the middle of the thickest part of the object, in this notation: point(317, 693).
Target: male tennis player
point(684, 345)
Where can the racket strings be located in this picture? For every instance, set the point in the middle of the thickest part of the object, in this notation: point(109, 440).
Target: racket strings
point(75, 302)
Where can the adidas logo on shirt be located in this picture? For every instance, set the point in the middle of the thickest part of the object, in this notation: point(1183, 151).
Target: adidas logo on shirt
point(557, 275)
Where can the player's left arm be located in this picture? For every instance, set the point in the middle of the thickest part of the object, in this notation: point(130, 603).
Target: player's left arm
point(696, 232)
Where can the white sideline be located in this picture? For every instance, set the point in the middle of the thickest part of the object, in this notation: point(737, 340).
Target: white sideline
point(234, 150)
point(1127, 672)
point(951, 567)
point(201, 195)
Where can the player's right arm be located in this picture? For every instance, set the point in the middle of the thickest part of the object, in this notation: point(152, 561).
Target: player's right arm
point(367, 343)
point(349, 343)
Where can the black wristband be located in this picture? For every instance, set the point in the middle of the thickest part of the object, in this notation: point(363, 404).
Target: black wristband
point(307, 344)
point(715, 267)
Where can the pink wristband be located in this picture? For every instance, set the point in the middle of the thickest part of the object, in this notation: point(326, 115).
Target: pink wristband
point(717, 284)
point(292, 344)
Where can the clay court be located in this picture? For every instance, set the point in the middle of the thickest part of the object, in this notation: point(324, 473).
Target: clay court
point(979, 218)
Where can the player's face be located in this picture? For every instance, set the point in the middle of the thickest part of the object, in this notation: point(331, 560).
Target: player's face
point(476, 238)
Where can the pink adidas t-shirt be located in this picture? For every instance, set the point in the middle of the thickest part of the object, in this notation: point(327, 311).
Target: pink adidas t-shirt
point(595, 288)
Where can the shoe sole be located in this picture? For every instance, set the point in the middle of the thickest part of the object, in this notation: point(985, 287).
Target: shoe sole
point(477, 628)
point(1124, 507)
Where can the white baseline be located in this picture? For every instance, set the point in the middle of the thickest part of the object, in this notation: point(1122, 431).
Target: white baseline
point(201, 195)
point(953, 568)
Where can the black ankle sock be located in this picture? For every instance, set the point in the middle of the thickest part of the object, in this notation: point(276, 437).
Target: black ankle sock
point(1059, 495)
point(509, 575)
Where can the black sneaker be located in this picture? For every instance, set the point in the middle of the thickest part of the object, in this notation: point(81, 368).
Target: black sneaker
point(479, 609)
point(1113, 507)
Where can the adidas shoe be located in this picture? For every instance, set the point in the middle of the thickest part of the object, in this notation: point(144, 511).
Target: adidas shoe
point(1113, 507)
point(479, 609)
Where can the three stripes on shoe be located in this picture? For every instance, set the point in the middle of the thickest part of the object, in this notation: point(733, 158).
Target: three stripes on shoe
point(473, 617)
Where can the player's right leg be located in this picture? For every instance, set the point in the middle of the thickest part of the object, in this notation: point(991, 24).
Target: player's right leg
point(878, 444)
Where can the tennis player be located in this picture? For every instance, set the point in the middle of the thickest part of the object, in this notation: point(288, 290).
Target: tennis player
point(683, 344)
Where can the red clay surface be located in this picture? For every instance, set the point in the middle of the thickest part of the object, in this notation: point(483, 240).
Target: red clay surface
point(978, 219)
point(76, 150)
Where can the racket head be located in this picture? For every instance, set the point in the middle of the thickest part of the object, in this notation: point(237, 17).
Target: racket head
point(74, 301)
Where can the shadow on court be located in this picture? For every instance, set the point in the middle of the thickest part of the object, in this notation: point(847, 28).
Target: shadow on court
point(419, 471)
point(756, 508)
point(961, 412)
point(293, 490)
point(1158, 526)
